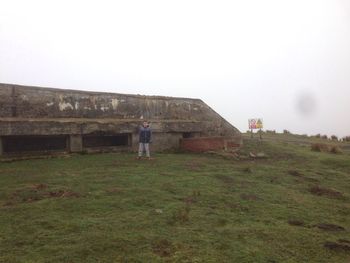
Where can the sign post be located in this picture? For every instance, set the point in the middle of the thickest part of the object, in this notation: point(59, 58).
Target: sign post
point(255, 124)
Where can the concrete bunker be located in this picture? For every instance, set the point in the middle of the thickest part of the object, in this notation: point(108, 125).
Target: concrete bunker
point(44, 120)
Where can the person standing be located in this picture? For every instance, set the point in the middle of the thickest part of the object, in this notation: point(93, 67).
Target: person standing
point(145, 138)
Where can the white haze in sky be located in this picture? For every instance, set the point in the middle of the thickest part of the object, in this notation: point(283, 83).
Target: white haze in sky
point(285, 61)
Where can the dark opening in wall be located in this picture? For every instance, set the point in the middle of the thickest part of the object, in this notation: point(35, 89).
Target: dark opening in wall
point(13, 144)
point(106, 140)
point(188, 135)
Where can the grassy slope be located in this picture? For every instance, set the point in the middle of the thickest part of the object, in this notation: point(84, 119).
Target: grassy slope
point(177, 208)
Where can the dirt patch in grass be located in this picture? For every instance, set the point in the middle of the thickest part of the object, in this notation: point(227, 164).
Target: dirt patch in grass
point(166, 174)
point(237, 207)
point(337, 246)
point(194, 165)
point(9, 203)
point(120, 163)
point(330, 227)
point(190, 200)
point(299, 175)
point(113, 190)
point(181, 215)
point(222, 222)
point(320, 191)
point(247, 170)
point(228, 180)
point(62, 193)
point(295, 173)
point(250, 197)
point(311, 180)
point(193, 198)
point(25, 195)
point(163, 248)
point(39, 186)
point(37, 192)
point(296, 223)
point(245, 184)
point(169, 187)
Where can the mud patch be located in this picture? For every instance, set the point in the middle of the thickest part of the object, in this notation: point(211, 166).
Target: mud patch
point(320, 191)
point(337, 246)
point(296, 223)
point(330, 227)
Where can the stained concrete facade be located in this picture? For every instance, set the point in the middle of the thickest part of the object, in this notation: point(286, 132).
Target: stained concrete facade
point(35, 119)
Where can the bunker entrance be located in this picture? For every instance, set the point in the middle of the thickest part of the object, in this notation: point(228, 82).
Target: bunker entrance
point(91, 141)
point(190, 134)
point(20, 144)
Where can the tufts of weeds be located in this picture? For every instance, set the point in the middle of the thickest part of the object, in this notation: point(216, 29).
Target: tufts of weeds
point(181, 215)
point(163, 248)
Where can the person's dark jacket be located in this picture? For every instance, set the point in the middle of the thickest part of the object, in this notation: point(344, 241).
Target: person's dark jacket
point(145, 135)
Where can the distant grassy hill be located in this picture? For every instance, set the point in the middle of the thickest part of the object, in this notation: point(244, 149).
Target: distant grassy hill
point(290, 205)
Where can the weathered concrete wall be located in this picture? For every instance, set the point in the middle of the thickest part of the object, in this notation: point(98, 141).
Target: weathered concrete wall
point(44, 111)
point(75, 143)
point(33, 102)
point(163, 141)
point(1, 146)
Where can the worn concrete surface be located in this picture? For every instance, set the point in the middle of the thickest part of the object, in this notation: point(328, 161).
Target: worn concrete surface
point(28, 110)
point(1, 147)
point(75, 143)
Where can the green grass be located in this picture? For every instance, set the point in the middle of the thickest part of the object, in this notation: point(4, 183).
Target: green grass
point(176, 208)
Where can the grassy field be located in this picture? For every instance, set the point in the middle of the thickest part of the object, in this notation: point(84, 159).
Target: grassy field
point(291, 206)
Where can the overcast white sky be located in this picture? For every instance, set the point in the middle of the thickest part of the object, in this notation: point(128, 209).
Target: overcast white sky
point(285, 61)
